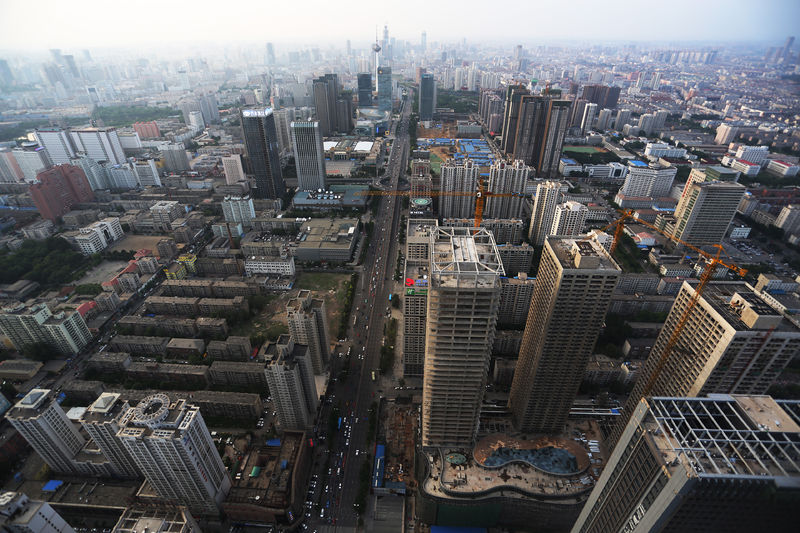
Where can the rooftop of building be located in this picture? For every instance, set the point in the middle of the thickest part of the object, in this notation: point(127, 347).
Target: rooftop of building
point(32, 403)
point(236, 366)
point(742, 307)
point(724, 436)
point(152, 519)
point(186, 344)
point(267, 473)
point(581, 254)
point(462, 255)
point(106, 407)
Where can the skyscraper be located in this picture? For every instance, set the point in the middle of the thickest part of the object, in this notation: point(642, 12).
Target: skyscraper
point(326, 91)
point(232, 165)
point(309, 155)
point(60, 188)
point(10, 172)
point(308, 325)
point(552, 139)
point(511, 112)
point(623, 117)
point(290, 378)
point(101, 144)
point(602, 95)
point(31, 160)
point(415, 299)
point(544, 211)
point(540, 125)
point(705, 210)
point(57, 143)
point(427, 97)
point(96, 174)
point(102, 421)
point(587, 121)
point(603, 120)
point(570, 298)
point(722, 463)
point(40, 419)
point(506, 178)
point(261, 142)
point(385, 88)
point(365, 89)
point(172, 447)
point(569, 219)
point(174, 157)
point(733, 342)
point(463, 298)
point(461, 178)
point(270, 54)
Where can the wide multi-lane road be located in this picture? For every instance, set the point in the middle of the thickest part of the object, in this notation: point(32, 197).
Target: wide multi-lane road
point(355, 396)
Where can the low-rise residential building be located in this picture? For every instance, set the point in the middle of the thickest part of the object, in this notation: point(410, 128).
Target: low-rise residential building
point(237, 374)
point(139, 344)
point(234, 348)
point(277, 265)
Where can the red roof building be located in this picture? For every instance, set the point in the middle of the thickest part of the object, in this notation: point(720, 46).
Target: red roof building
point(60, 188)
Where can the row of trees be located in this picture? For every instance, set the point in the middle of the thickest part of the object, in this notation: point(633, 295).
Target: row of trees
point(50, 262)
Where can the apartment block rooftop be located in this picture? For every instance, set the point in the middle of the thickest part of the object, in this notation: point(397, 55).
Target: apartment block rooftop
point(581, 254)
point(743, 308)
point(463, 257)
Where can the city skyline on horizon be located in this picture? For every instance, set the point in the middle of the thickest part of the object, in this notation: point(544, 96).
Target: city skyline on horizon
point(89, 26)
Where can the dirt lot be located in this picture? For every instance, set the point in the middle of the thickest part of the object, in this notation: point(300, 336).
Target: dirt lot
point(102, 272)
point(137, 242)
point(273, 320)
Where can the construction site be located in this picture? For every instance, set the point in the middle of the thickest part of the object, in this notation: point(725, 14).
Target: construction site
point(396, 433)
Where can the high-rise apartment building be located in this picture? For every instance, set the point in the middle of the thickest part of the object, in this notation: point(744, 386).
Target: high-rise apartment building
point(384, 88)
point(415, 298)
point(261, 142)
point(290, 378)
point(239, 210)
point(172, 447)
point(174, 157)
point(101, 144)
point(789, 218)
point(726, 134)
point(427, 97)
point(308, 325)
point(511, 113)
point(58, 189)
point(42, 422)
point(31, 159)
point(623, 117)
point(603, 120)
point(651, 180)
point(57, 143)
point(544, 211)
point(515, 300)
point(102, 421)
point(732, 342)
point(602, 95)
point(462, 178)
point(10, 172)
point(232, 165)
point(569, 219)
point(96, 174)
point(705, 210)
point(541, 124)
point(573, 290)
point(146, 173)
point(463, 298)
point(65, 331)
point(309, 155)
point(164, 212)
point(587, 120)
point(506, 178)
point(721, 463)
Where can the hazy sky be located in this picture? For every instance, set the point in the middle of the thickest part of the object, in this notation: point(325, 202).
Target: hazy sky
point(70, 24)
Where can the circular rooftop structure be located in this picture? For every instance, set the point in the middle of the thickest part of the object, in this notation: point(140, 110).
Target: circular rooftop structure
point(152, 410)
point(422, 202)
point(553, 455)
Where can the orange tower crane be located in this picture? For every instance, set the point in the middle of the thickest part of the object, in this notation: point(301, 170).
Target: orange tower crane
point(713, 261)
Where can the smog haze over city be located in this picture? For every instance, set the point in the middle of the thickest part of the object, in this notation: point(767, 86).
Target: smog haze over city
point(410, 267)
